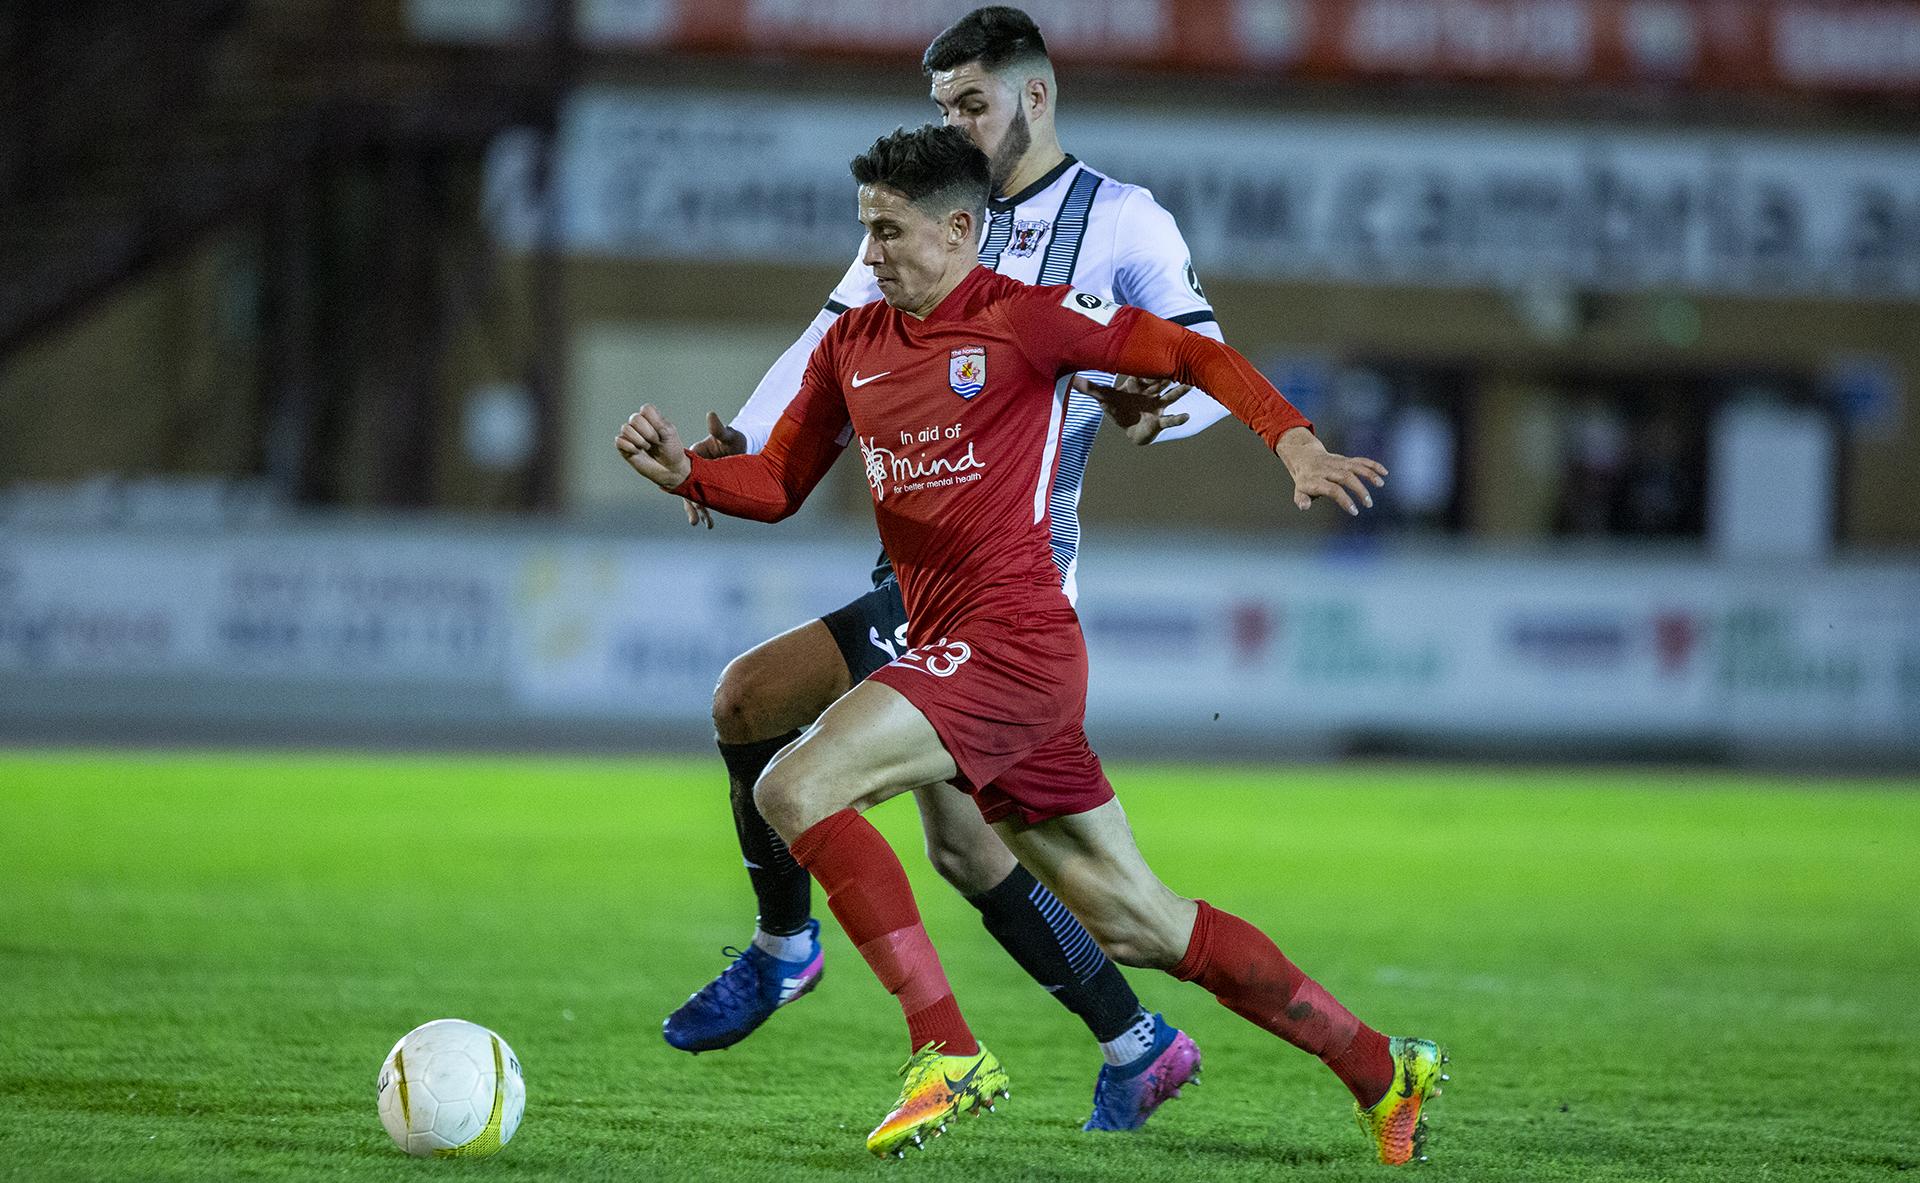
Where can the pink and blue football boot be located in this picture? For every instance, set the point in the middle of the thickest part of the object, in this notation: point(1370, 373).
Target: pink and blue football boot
point(733, 1005)
point(1126, 1096)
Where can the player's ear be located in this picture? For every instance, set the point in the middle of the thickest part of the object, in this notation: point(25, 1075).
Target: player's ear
point(959, 227)
point(1036, 95)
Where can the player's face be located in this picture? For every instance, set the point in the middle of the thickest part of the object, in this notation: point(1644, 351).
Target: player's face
point(907, 248)
point(989, 111)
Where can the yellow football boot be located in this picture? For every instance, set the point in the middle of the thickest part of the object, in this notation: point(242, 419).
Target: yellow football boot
point(937, 1088)
point(1395, 1124)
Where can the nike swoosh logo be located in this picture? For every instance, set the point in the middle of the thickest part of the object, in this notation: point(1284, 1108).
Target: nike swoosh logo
point(858, 381)
point(956, 1087)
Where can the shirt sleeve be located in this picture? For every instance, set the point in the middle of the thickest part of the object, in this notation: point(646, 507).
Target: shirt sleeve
point(781, 384)
point(1201, 410)
point(1153, 269)
point(770, 484)
point(1078, 330)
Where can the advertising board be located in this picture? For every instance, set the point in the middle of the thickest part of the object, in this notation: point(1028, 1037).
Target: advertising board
point(1445, 203)
point(1183, 642)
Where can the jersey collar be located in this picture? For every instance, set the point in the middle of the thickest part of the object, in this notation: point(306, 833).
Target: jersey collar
point(1002, 205)
point(955, 301)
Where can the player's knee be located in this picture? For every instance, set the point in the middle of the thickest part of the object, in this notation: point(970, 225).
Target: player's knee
point(1134, 940)
point(740, 701)
point(1136, 952)
point(962, 865)
point(778, 797)
point(1123, 948)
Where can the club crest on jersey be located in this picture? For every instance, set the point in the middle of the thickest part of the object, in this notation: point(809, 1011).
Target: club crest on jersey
point(967, 370)
point(1026, 237)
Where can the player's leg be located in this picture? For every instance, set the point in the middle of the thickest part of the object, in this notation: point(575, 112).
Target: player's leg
point(1091, 862)
point(1039, 933)
point(960, 844)
point(1034, 927)
point(870, 746)
point(764, 698)
point(1146, 1060)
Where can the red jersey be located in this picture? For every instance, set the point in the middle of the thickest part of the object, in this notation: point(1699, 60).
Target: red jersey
point(958, 421)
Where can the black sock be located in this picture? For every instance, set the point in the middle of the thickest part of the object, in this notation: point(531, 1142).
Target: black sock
point(782, 886)
point(1050, 944)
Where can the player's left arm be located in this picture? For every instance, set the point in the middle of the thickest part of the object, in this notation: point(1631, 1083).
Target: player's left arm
point(1153, 270)
point(1154, 347)
point(1142, 407)
point(1083, 332)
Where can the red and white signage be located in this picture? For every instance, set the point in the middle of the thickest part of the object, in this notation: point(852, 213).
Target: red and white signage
point(1711, 44)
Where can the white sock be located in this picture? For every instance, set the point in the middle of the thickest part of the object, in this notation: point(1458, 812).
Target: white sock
point(1131, 1044)
point(797, 947)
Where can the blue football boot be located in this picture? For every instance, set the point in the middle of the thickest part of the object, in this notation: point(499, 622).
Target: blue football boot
point(1126, 1096)
point(731, 1006)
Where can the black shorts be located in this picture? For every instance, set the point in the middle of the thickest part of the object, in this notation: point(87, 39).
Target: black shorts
point(872, 630)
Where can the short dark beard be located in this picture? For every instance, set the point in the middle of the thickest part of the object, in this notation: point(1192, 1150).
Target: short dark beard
point(1005, 158)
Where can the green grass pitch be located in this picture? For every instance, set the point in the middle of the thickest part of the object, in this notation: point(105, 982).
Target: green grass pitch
point(1640, 974)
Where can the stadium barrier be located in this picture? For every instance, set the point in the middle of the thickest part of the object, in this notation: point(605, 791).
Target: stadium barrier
point(437, 636)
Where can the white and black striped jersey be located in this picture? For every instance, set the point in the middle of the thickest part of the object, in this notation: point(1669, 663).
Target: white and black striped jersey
point(1075, 225)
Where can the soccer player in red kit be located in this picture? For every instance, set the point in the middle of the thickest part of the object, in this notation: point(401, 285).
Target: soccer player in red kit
point(952, 388)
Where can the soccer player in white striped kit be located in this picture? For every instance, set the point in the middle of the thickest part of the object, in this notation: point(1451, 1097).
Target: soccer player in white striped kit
point(1057, 221)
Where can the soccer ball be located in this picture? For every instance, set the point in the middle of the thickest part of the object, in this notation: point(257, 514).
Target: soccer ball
point(451, 1088)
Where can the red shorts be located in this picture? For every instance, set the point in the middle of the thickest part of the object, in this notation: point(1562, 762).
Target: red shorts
point(1008, 697)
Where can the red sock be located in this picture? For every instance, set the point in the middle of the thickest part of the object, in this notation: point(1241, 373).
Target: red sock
point(868, 891)
point(1252, 978)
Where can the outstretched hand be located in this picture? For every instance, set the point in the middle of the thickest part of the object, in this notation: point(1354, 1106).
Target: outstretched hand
point(721, 441)
point(1320, 473)
point(1137, 405)
point(652, 446)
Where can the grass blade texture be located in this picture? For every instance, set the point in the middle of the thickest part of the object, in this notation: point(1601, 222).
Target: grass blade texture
point(1641, 975)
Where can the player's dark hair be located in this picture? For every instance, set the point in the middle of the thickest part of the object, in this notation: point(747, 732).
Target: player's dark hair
point(936, 168)
point(996, 37)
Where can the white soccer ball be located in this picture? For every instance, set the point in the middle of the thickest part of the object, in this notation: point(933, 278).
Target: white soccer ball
point(451, 1088)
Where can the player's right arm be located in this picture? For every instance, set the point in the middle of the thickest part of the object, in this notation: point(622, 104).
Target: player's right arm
point(778, 388)
point(753, 424)
point(765, 486)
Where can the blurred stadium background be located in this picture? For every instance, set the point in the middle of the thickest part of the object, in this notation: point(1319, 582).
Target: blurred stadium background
point(317, 318)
